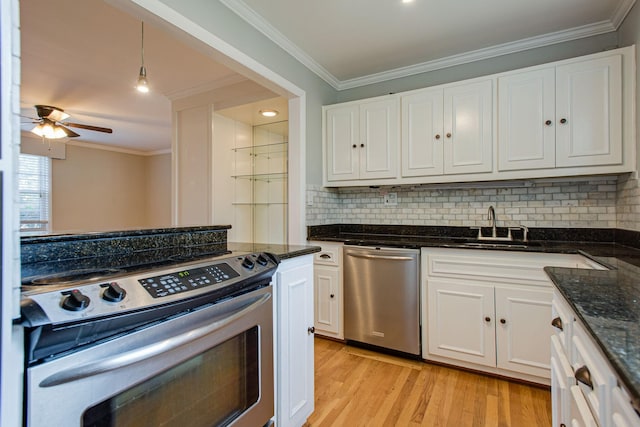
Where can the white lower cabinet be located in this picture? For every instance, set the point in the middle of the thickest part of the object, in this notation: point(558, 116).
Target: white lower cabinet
point(293, 317)
point(327, 284)
point(490, 310)
point(584, 388)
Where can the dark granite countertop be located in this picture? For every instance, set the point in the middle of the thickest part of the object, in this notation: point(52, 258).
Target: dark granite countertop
point(607, 301)
point(282, 251)
point(608, 304)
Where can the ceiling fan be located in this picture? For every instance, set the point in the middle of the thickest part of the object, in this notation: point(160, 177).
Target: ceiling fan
point(50, 124)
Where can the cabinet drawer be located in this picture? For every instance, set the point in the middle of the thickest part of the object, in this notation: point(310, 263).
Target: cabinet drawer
point(580, 413)
point(593, 376)
point(327, 256)
point(622, 413)
point(562, 321)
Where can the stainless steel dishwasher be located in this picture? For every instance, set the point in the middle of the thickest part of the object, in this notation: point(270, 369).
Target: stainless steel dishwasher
point(381, 297)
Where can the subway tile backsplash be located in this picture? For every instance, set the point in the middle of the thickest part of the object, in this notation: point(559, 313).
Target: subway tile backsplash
point(595, 202)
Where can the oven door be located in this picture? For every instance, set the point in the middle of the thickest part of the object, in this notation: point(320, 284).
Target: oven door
point(212, 366)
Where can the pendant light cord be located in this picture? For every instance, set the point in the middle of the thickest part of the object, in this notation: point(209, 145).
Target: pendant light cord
point(142, 44)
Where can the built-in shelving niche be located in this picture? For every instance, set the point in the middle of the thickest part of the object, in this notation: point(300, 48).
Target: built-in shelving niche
point(260, 173)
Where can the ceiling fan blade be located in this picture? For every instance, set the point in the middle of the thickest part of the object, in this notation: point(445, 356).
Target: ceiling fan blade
point(52, 113)
point(69, 132)
point(88, 127)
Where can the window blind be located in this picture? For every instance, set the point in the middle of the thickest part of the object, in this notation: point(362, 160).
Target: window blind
point(34, 188)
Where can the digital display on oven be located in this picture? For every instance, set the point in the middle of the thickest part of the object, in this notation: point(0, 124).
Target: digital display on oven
point(188, 280)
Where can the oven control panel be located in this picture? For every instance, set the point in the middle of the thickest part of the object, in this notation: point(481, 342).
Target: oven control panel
point(188, 280)
point(163, 287)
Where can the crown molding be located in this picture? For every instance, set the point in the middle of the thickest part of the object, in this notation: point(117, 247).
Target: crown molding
point(482, 54)
point(258, 22)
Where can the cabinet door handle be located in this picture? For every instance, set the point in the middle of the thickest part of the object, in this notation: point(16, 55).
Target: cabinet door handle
point(584, 376)
point(311, 330)
point(487, 319)
point(325, 256)
point(557, 323)
point(437, 136)
point(503, 321)
point(563, 121)
point(548, 123)
point(448, 134)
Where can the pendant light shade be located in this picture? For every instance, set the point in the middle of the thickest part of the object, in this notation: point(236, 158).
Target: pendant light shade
point(142, 84)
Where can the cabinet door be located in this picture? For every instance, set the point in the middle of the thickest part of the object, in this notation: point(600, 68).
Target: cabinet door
point(523, 330)
point(342, 142)
point(589, 112)
point(326, 282)
point(294, 342)
point(580, 415)
point(422, 136)
point(461, 321)
point(526, 120)
point(379, 138)
point(561, 379)
point(468, 127)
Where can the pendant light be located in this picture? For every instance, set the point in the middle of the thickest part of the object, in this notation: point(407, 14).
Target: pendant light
point(143, 84)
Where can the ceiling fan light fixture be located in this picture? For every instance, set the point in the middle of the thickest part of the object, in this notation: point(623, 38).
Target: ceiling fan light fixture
point(49, 131)
point(268, 113)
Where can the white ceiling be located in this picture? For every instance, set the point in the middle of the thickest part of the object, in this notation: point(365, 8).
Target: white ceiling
point(355, 42)
point(84, 56)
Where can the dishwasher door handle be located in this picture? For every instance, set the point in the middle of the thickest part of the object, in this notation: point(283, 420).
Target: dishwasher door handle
point(389, 257)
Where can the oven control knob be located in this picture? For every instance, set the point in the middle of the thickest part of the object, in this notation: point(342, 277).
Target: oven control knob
point(248, 263)
point(113, 293)
point(75, 301)
point(262, 260)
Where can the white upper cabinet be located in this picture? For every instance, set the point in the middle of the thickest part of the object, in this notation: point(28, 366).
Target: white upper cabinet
point(564, 116)
point(362, 140)
point(468, 121)
point(567, 118)
point(422, 137)
point(526, 116)
point(448, 130)
point(589, 112)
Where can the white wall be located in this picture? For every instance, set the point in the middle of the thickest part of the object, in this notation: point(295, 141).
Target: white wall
point(158, 191)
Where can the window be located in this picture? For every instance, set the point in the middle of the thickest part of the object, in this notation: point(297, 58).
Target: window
point(34, 189)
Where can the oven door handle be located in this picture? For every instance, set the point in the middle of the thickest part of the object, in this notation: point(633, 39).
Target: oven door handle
point(147, 352)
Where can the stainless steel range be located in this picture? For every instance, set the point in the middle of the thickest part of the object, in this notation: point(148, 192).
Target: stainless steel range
point(184, 345)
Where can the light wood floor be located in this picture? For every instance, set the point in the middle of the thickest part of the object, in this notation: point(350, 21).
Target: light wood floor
point(356, 387)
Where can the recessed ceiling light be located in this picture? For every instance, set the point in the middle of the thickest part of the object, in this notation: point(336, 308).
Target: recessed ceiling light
point(268, 113)
point(407, 1)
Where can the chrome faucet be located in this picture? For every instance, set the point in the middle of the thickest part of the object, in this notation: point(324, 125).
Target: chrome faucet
point(491, 216)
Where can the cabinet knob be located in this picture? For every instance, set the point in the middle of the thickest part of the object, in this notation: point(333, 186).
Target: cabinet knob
point(548, 123)
point(563, 121)
point(311, 330)
point(354, 146)
point(361, 145)
point(503, 321)
point(557, 323)
point(331, 296)
point(584, 376)
point(438, 136)
point(487, 319)
point(448, 134)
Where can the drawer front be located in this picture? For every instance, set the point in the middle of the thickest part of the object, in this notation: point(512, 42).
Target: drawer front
point(580, 413)
point(593, 376)
point(562, 322)
point(329, 255)
point(622, 413)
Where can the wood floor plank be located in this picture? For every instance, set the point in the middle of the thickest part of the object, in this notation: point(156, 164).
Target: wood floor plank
point(357, 387)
